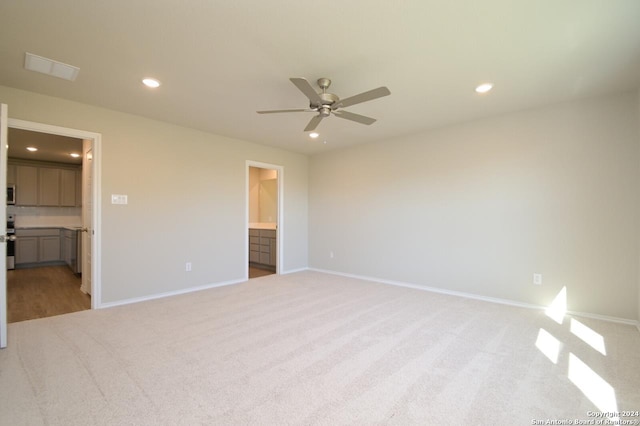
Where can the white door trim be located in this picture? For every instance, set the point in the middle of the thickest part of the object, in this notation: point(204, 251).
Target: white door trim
point(280, 226)
point(4, 118)
point(96, 138)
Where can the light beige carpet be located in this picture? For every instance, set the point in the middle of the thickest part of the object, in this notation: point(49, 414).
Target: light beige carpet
point(312, 348)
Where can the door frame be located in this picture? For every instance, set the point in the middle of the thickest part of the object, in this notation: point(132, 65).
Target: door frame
point(4, 118)
point(279, 217)
point(96, 142)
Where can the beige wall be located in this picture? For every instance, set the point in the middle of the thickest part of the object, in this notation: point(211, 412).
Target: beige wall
point(479, 207)
point(186, 191)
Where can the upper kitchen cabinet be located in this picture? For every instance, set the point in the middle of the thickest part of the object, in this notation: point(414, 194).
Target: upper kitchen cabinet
point(46, 184)
point(78, 188)
point(68, 187)
point(11, 174)
point(49, 187)
point(26, 185)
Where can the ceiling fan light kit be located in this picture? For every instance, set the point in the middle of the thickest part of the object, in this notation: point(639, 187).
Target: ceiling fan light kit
point(326, 104)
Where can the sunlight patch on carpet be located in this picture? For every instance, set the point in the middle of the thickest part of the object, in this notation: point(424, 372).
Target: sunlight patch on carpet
point(590, 337)
point(548, 345)
point(594, 387)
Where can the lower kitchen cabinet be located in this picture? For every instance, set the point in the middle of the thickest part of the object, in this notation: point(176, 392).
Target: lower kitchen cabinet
point(35, 246)
point(26, 249)
point(70, 249)
point(49, 249)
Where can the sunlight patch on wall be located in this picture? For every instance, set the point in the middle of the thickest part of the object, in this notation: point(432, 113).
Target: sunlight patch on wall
point(592, 338)
point(548, 345)
point(594, 387)
point(558, 307)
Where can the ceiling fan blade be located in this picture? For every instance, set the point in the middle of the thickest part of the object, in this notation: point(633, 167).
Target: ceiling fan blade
point(313, 123)
point(354, 117)
point(274, 111)
point(303, 85)
point(362, 97)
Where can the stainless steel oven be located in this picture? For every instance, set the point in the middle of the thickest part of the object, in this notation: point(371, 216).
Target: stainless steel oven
point(11, 243)
point(11, 194)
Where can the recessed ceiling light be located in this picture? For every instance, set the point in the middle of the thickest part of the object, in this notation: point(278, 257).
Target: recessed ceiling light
point(151, 82)
point(314, 135)
point(32, 148)
point(484, 88)
point(74, 155)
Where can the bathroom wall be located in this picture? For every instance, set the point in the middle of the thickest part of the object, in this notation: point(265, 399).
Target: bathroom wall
point(263, 195)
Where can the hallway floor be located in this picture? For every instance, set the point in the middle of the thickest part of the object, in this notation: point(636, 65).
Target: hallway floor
point(44, 292)
point(258, 272)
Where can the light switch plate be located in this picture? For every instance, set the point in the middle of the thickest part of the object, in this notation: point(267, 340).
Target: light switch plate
point(118, 199)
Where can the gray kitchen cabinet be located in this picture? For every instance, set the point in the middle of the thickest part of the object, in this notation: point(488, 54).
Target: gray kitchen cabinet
point(49, 249)
point(69, 248)
point(49, 186)
point(26, 185)
point(34, 246)
point(272, 252)
point(45, 184)
point(11, 174)
point(68, 187)
point(254, 245)
point(78, 188)
point(262, 247)
point(26, 250)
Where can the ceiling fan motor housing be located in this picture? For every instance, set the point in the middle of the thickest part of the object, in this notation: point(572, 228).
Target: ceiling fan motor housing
point(325, 110)
point(328, 99)
point(327, 103)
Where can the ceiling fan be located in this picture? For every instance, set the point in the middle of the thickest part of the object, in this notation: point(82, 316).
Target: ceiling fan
point(326, 104)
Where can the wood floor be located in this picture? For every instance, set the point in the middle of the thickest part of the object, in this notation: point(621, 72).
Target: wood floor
point(257, 272)
point(54, 290)
point(44, 292)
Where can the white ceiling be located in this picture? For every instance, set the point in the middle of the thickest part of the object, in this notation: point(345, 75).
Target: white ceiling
point(220, 61)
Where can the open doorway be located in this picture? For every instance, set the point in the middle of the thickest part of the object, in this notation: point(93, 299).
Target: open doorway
point(44, 263)
point(264, 205)
point(55, 221)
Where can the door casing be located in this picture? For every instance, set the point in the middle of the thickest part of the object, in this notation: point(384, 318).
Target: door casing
point(96, 141)
point(280, 226)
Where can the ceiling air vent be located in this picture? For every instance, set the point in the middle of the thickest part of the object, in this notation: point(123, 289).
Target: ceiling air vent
point(49, 66)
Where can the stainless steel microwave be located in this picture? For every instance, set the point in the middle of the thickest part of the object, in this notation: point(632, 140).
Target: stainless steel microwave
point(11, 194)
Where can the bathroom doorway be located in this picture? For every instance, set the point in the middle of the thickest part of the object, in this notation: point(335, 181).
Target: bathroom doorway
point(264, 213)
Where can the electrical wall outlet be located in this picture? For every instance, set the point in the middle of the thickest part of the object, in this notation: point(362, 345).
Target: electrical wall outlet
point(331, 254)
point(537, 279)
point(187, 267)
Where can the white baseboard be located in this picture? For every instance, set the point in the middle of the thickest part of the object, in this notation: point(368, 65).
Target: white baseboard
point(377, 280)
point(293, 271)
point(476, 296)
point(184, 291)
point(169, 293)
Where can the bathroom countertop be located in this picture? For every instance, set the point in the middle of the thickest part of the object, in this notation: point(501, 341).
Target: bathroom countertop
point(262, 225)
